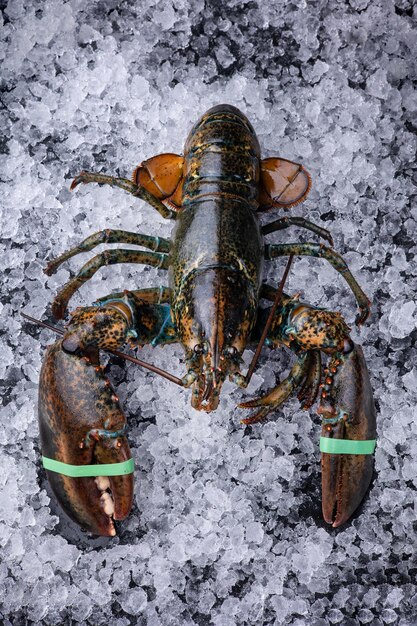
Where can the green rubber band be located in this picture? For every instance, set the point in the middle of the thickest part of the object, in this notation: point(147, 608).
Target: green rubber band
point(79, 471)
point(347, 446)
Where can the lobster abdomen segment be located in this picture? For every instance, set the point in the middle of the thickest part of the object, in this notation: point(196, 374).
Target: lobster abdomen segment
point(222, 156)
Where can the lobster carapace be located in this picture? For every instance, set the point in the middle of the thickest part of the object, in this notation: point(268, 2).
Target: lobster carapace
point(215, 260)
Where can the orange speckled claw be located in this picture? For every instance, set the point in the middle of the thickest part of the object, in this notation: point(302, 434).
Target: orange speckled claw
point(348, 412)
point(81, 423)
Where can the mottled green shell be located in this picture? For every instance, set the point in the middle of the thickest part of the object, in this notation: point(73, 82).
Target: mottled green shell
point(217, 228)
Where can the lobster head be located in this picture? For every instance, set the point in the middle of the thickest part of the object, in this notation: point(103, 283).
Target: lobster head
point(215, 317)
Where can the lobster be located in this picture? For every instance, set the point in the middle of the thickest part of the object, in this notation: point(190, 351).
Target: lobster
point(215, 260)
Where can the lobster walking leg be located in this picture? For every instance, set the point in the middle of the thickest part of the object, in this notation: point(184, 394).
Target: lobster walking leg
point(81, 422)
point(346, 404)
point(153, 295)
point(272, 400)
point(286, 222)
point(126, 185)
point(156, 244)
point(319, 250)
point(108, 257)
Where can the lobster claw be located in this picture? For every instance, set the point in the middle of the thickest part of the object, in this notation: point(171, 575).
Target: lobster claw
point(349, 421)
point(81, 423)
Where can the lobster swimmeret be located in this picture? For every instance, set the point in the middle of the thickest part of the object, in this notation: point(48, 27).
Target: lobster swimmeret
point(211, 306)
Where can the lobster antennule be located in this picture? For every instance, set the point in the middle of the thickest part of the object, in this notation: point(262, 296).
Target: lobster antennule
point(348, 413)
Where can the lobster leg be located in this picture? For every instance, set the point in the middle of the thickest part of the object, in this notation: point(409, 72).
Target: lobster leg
point(126, 185)
point(286, 222)
point(108, 257)
point(156, 244)
point(346, 404)
point(319, 250)
point(272, 400)
point(81, 421)
point(153, 295)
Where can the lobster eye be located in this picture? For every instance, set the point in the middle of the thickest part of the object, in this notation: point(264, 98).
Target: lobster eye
point(200, 348)
point(232, 351)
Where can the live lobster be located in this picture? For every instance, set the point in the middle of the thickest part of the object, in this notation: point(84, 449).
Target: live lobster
point(211, 305)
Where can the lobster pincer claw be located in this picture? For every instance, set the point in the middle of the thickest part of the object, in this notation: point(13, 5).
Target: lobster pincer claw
point(348, 435)
point(85, 451)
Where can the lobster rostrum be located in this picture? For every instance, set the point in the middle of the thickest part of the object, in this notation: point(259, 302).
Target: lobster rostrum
point(215, 260)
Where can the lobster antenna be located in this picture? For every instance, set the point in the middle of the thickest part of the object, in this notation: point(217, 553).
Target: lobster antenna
point(122, 355)
point(268, 321)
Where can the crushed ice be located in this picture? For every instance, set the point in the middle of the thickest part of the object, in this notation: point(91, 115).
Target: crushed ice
point(226, 528)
